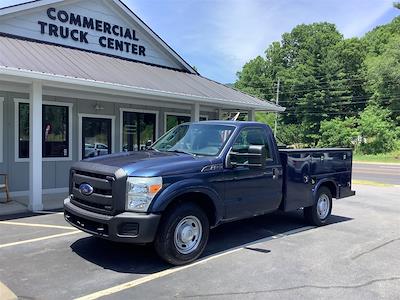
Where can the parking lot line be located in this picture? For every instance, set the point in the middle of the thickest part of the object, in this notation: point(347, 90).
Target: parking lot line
point(36, 225)
point(40, 239)
point(139, 281)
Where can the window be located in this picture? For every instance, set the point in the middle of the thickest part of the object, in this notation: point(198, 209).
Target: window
point(196, 139)
point(96, 136)
point(1, 129)
point(23, 130)
point(172, 120)
point(249, 137)
point(138, 129)
point(55, 130)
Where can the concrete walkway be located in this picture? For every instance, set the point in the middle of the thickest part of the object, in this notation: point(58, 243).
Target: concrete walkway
point(19, 205)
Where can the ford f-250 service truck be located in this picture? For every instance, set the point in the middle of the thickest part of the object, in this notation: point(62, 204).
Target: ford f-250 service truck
point(198, 176)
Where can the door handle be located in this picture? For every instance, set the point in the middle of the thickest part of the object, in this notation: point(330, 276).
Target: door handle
point(275, 173)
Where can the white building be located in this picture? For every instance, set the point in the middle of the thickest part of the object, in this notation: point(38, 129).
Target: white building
point(81, 78)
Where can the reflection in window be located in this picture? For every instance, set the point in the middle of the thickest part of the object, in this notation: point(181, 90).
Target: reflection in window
point(55, 141)
point(23, 130)
point(55, 131)
point(174, 120)
point(138, 129)
point(96, 137)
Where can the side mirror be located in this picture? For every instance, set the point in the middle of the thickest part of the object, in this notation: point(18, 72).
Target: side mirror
point(148, 144)
point(255, 157)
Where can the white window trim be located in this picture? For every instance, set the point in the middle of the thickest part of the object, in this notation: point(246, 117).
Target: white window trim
point(121, 121)
point(112, 118)
point(166, 114)
point(1, 128)
point(16, 138)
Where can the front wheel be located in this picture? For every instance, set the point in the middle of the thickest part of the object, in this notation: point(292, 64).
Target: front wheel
point(183, 234)
point(319, 213)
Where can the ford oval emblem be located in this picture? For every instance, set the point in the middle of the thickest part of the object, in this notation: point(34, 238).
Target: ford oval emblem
point(86, 189)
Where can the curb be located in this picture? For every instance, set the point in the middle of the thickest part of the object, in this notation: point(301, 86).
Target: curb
point(6, 293)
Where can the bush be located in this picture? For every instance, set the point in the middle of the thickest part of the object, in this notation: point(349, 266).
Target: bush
point(378, 131)
point(338, 133)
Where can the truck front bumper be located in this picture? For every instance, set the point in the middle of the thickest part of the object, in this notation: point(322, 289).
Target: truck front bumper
point(127, 227)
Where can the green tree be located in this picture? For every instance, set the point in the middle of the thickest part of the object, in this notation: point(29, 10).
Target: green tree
point(377, 130)
point(338, 133)
point(384, 77)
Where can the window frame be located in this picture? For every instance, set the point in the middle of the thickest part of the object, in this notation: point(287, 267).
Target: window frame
point(17, 101)
point(95, 116)
point(178, 114)
point(1, 128)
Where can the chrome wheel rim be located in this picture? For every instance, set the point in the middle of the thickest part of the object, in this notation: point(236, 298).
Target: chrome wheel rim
point(323, 206)
point(188, 234)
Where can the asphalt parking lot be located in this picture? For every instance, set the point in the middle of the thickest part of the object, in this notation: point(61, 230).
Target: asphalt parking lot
point(276, 256)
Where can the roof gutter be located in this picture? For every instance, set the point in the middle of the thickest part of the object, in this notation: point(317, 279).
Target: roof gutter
point(34, 75)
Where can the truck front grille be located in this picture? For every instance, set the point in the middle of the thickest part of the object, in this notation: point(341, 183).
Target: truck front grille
point(105, 190)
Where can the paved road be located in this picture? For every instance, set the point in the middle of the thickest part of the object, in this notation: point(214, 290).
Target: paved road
point(378, 173)
point(269, 257)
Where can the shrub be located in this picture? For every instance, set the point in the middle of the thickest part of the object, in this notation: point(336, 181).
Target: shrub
point(338, 133)
point(378, 131)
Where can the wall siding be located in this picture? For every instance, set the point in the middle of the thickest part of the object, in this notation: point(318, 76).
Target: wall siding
point(55, 173)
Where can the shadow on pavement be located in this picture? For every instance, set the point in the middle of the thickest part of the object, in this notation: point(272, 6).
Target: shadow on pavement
point(127, 258)
point(28, 215)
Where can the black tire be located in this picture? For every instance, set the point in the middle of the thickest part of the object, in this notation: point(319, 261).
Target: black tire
point(311, 213)
point(165, 240)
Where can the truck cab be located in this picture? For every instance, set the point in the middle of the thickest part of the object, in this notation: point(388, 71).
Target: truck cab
point(196, 177)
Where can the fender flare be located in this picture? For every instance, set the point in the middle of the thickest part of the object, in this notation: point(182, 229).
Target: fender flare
point(186, 186)
point(323, 181)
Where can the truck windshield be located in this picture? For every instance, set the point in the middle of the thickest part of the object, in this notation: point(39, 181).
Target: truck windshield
point(195, 139)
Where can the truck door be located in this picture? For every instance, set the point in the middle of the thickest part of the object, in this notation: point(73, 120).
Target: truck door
point(250, 191)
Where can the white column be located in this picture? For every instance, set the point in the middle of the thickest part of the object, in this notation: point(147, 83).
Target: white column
point(35, 147)
point(220, 113)
point(195, 112)
point(251, 115)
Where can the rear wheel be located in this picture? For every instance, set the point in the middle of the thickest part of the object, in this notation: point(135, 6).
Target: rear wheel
point(183, 234)
point(319, 213)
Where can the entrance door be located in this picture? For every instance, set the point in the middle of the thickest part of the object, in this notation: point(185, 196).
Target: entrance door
point(138, 129)
point(96, 137)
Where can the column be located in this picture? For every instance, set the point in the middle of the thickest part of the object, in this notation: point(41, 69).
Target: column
point(35, 147)
point(251, 115)
point(195, 112)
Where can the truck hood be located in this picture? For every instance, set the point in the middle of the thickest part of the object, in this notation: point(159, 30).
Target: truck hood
point(153, 163)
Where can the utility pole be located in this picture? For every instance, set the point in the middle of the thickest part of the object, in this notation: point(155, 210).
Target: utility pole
point(277, 102)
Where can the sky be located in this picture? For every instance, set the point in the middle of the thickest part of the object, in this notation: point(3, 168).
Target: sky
point(219, 36)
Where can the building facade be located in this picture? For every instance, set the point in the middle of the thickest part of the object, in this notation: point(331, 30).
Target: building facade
point(85, 78)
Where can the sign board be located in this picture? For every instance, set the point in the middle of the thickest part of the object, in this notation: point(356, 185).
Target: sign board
point(97, 25)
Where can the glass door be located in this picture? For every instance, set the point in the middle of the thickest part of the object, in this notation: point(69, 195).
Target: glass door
point(138, 129)
point(96, 137)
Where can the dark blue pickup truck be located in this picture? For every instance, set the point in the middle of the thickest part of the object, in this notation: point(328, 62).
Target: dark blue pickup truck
point(198, 176)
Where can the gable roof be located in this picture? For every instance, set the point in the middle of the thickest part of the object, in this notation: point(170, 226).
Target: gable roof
point(39, 3)
point(57, 64)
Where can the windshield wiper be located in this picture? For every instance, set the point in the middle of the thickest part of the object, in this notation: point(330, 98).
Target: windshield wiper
point(180, 151)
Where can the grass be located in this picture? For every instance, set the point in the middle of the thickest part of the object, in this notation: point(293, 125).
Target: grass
point(392, 157)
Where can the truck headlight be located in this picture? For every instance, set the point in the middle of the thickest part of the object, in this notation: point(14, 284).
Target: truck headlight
point(140, 191)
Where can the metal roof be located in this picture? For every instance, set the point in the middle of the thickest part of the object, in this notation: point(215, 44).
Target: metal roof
point(26, 57)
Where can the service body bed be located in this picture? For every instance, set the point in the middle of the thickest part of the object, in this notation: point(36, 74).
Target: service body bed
point(304, 170)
